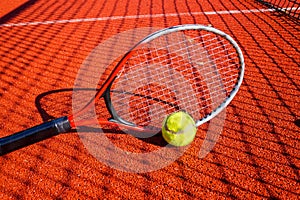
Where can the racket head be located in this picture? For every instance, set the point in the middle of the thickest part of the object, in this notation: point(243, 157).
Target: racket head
point(194, 68)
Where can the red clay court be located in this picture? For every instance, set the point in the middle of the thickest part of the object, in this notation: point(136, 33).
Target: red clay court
point(42, 47)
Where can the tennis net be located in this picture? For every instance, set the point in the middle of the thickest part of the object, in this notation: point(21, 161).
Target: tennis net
point(289, 7)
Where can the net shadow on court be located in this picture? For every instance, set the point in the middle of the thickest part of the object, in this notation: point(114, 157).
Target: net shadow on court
point(256, 156)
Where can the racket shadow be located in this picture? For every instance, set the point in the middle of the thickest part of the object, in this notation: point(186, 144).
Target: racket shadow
point(42, 109)
point(156, 139)
point(63, 98)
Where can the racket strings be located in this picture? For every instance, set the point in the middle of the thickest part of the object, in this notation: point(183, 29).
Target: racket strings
point(180, 71)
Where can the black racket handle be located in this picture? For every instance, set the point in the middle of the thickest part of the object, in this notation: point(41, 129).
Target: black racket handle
point(33, 135)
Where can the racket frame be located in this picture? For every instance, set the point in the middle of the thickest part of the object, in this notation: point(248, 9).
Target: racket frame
point(105, 88)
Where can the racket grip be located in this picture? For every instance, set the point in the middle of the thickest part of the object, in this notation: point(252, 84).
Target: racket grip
point(33, 135)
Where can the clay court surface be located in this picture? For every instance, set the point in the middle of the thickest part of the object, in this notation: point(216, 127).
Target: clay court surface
point(257, 155)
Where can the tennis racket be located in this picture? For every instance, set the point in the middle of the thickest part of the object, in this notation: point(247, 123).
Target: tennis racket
point(194, 68)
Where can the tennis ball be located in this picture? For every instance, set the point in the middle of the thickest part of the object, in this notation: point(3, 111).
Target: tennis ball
point(179, 129)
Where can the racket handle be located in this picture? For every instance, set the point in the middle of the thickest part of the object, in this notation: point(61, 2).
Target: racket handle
point(33, 135)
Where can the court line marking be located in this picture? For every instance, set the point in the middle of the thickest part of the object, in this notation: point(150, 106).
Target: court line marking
point(225, 12)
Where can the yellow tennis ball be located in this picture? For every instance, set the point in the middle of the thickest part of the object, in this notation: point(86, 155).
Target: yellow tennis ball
point(179, 129)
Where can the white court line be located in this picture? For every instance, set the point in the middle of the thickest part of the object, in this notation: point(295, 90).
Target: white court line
point(225, 12)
